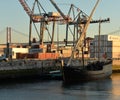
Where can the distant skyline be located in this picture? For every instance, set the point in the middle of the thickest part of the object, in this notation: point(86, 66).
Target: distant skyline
point(13, 15)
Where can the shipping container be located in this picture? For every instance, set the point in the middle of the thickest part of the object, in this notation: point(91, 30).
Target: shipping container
point(92, 55)
point(101, 43)
point(116, 62)
point(92, 49)
point(107, 43)
point(105, 55)
point(100, 49)
point(44, 56)
point(102, 55)
point(104, 49)
point(116, 44)
point(66, 55)
point(113, 49)
point(107, 37)
point(113, 38)
point(101, 37)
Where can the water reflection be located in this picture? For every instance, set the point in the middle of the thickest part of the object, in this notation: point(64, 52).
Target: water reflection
point(108, 89)
point(95, 90)
point(116, 84)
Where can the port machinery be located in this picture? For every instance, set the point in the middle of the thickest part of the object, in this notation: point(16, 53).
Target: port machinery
point(35, 18)
point(76, 20)
point(44, 18)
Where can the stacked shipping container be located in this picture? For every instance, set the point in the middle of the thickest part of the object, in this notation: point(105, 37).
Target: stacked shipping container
point(108, 46)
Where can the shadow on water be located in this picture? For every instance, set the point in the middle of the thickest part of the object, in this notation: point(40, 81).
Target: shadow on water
point(92, 90)
point(97, 85)
point(107, 89)
point(22, 80)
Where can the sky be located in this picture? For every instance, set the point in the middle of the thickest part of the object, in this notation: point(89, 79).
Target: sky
point(13, 15)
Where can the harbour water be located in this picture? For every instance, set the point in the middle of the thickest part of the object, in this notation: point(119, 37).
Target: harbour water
point(108, 89)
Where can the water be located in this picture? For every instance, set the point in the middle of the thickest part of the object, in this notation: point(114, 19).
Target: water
point(108, 89)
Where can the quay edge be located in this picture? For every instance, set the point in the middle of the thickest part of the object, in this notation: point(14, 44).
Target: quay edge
point(28, 69)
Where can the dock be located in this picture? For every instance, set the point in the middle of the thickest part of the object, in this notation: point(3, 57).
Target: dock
point(28, 68)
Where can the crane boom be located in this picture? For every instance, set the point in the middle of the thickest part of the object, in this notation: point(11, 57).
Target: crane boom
point(81, 38)
point(58, 9)
point(26, 7)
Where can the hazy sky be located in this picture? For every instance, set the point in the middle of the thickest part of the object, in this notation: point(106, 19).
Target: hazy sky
point(13, 15)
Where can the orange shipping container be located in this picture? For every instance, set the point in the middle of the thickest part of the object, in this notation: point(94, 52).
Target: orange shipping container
point(41, 56)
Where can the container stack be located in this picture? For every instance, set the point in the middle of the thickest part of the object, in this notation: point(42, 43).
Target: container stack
point(105, 46)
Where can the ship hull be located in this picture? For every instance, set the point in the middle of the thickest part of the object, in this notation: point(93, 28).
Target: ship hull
point(71, 74)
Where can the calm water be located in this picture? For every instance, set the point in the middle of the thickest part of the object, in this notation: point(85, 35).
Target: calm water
point(108, 89)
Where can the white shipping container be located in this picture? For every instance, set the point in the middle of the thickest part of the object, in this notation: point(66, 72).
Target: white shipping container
point(107, 37)
point(20, 50)
point(116, 44)
point(116, 62)
point(113, 38)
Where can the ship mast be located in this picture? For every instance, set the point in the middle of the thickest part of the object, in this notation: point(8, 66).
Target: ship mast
point(81, 38)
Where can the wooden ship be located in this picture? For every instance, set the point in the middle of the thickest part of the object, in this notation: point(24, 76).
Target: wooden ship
point(94, 70)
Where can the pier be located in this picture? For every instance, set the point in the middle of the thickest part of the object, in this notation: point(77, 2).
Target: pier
point(28, 68)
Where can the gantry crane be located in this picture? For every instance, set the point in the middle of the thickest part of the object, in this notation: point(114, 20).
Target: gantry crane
point(33, 17)
point(81, 38)
point(42, 17)
point(78, 21)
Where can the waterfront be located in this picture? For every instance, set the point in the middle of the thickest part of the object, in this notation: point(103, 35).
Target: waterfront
point(108, 89)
